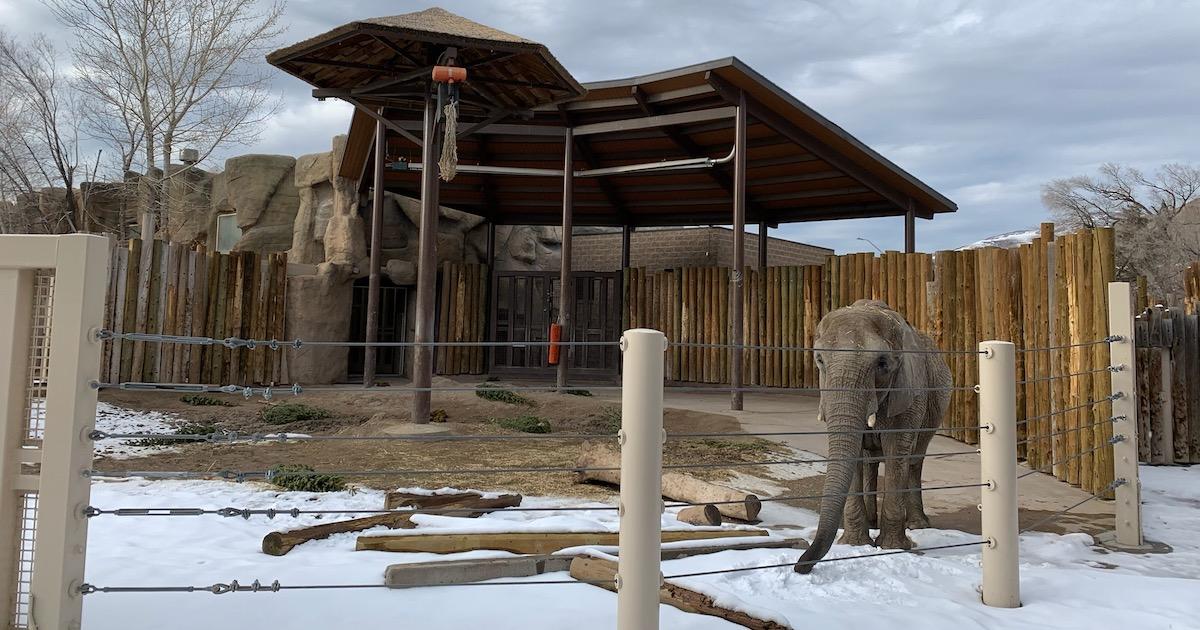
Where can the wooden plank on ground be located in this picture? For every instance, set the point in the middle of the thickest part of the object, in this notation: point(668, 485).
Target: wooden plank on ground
point(526, 542)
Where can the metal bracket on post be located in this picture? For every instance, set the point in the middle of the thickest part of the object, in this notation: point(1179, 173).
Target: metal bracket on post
point(638, 573)
point(998, 468)
point(1128, 535)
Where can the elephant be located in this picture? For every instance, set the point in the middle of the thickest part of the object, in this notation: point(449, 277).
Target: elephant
point(859, 348)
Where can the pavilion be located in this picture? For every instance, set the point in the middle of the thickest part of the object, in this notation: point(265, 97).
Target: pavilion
point(712, 143)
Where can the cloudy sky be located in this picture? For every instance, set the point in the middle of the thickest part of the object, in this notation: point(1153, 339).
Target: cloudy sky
point(985, 101)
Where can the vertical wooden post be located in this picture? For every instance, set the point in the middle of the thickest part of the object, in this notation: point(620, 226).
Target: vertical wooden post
point(626, 233)
point(739, 254)
point(372, 332)
point(910, 229)
point(81, 265)
point(422, 376)
point(566, 287)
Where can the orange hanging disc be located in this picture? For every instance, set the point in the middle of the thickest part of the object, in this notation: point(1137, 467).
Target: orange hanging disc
point(449, 74)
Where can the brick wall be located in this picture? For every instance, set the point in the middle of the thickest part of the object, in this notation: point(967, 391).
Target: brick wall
point(685, 247)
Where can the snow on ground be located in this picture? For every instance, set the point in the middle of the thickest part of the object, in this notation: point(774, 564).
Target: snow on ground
point(1006, 240)
point(114, 419)
point(1066, 583)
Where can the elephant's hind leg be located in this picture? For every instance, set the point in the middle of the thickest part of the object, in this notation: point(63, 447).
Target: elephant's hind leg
point(854, 523)
point(917, 519)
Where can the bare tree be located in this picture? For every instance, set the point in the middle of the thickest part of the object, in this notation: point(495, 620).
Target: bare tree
point(38, 130)
point(1157, 217)
point(172, 73)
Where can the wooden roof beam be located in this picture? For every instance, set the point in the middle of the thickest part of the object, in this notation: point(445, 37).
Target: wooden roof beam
point(814, 145)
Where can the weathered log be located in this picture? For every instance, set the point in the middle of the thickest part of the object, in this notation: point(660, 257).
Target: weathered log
point(526, 542)
point(601, 572)
point(677, 486)
point(399, 499)
point(700, 515)
point(445, 572)
point(279, 543)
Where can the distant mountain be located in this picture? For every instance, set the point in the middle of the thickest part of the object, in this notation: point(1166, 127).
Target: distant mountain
point(1006, 240)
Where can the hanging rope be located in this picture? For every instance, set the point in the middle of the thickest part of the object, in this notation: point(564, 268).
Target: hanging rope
point(448, 164)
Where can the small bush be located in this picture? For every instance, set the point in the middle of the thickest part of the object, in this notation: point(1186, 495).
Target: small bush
point(198, 400)
point(301, 478)
point(439, 415)
point(577, 392)
point(287, 413)
point(610, 420)
point(525, 424)
point(495, 393)
point(183, 429)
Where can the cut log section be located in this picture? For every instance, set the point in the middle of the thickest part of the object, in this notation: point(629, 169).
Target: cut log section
point(700, 515)
point(448, 572)
point(602, 572)
point(676, 486)
point(399, 499)
point(279, 543)
point(526, 542)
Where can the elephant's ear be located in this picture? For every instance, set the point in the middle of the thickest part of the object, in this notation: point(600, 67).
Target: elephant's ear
point(902, 394)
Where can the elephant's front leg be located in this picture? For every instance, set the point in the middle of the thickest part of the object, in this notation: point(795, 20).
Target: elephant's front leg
point(854, 522)
point(896, 448)
point(870, 488)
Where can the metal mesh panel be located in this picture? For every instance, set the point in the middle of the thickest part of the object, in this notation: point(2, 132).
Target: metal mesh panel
point(39, 357)
point(27, 503)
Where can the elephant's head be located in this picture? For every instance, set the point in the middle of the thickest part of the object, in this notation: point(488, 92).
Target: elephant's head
point(859, 351)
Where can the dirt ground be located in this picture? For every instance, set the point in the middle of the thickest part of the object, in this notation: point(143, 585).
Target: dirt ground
point(356, 412)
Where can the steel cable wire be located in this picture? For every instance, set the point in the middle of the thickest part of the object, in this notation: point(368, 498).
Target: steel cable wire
point(1111, 486)
point(1042, 469)
point(823, 560)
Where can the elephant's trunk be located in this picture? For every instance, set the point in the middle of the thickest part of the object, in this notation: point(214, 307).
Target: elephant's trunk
point(846, 414)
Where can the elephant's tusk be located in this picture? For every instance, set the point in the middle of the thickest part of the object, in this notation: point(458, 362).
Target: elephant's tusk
point(871, 421)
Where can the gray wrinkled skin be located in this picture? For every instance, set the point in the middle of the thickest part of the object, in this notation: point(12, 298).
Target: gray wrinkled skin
point(876, 332)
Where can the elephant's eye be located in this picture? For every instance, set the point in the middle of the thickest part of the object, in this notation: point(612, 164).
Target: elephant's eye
point(881, 364)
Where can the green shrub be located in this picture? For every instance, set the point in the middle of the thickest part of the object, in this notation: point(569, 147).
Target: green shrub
point(183, 429)
point(287, 413)
point(610, 420)
point(524, 424)
point(439, 415)
point(301, 478)
point(495, 393)
point(577, 392)
point(198, 400)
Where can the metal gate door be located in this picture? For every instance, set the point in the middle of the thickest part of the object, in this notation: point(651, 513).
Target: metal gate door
point(525, 303)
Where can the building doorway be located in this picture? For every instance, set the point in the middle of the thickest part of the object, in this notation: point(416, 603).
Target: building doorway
point(393, 326)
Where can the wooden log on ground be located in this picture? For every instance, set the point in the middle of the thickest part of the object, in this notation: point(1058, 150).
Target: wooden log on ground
point(399, 499)
point(527, 542)
point(677, 486)
point(700, 515)
point(279, 543)
point(601, 572)
point(448, 572)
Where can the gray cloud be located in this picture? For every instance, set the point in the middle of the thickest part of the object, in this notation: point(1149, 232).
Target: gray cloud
point(984, 101)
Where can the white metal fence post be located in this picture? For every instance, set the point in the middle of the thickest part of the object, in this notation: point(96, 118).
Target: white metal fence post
point(639, 575)
point(80, 284)
point(1124, 409)
point(16, 312)
point(998, 468)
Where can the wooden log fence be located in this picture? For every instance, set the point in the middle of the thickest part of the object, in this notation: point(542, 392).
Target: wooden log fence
point(1168, 357)
point(462, 302)
point(192, 292)
point(1050, 293)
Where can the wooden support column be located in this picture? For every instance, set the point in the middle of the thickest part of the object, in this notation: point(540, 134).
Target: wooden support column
point(762, 245)
point(566, 287)
point(372, 332)
point(739, 253)
point(626, 232)
point(422, 376)
point(910, 230)
point(490, 293)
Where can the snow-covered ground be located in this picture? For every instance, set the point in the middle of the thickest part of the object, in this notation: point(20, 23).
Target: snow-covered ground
point(1066, 583)
point(114, 419)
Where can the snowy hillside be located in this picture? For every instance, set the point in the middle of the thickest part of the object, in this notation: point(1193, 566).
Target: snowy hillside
point(1006, 240)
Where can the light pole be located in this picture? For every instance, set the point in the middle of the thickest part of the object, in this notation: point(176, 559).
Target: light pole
point(863, 238)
